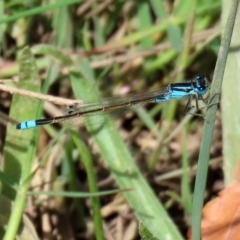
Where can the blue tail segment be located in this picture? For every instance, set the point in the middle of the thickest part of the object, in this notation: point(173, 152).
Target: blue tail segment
point(35, 123)
point(26, 125)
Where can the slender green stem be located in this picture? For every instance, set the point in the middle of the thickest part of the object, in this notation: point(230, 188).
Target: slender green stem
point(209, 123)
point(87, 161)
point(16, 215)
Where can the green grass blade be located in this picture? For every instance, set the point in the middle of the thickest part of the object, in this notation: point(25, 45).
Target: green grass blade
point(145, 234)
point(209, 123)
point(143, 201)
point(54, 52)
point(37, 10)
point(73, 194)
point(92, 182)
point(20, 148)
point(144, 18)
point(230, 102)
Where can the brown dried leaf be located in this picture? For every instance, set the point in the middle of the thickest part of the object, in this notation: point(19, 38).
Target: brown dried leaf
point(221, 216)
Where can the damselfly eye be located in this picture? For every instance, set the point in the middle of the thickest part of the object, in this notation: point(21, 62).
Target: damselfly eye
point(201, 78)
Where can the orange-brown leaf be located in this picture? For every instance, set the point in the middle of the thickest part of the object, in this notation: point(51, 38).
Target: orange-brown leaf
point(221, 216)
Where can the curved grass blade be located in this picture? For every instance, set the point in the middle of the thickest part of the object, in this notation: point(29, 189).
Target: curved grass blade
point(143, 201)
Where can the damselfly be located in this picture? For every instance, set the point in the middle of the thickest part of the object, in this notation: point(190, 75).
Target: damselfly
point(193, 88)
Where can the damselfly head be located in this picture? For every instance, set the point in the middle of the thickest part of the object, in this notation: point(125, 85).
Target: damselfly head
point(202, 83)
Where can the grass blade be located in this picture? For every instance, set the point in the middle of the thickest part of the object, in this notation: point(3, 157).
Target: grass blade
point(20, 148)
point(229, 102)
point(142, 200)
point(209, 123)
